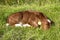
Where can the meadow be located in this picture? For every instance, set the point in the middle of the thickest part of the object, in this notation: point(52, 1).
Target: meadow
point(30, 33)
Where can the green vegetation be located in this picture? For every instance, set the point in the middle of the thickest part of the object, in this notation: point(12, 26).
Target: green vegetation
point(50, 8)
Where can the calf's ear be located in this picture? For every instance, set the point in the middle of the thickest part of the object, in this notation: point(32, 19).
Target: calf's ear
point(52, 22)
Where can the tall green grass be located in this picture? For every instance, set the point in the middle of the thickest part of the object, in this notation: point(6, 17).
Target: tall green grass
point(22, 2)
point(18, 33)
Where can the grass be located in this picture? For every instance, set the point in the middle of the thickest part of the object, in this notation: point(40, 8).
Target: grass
point(18, 33)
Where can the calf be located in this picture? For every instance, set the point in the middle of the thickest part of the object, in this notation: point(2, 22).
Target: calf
point(29, 18)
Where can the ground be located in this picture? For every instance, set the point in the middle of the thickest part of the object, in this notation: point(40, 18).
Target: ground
point(30, 33)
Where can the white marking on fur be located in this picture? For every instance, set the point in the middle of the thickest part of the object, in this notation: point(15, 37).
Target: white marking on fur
point(17, 25)
point(7, 24)
point(22, 25)
point(25, 25)
point(48, 20)
point(39, 22)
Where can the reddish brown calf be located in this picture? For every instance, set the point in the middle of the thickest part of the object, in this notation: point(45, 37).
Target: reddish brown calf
point(29, 17)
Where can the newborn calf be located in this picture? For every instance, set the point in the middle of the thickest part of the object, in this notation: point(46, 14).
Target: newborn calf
point(29, 18)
